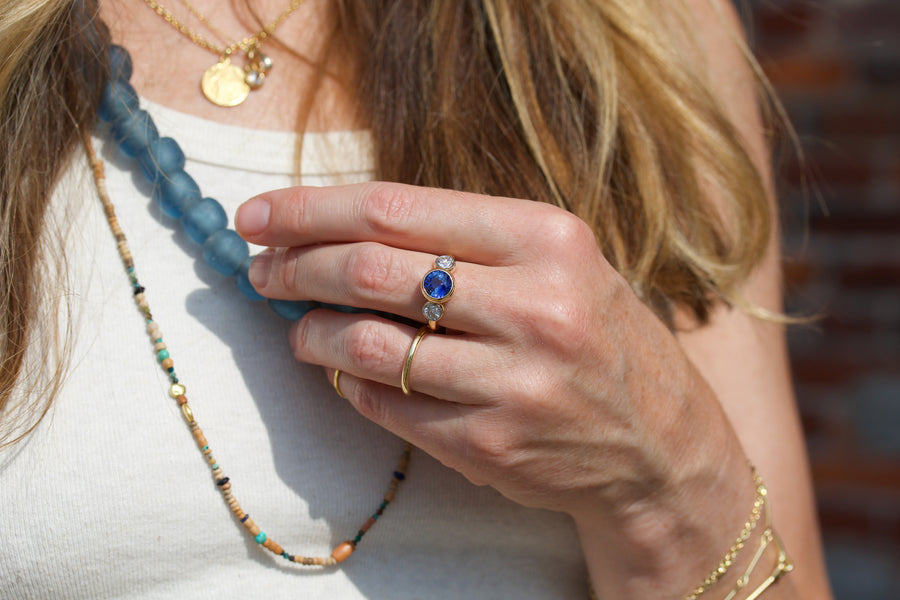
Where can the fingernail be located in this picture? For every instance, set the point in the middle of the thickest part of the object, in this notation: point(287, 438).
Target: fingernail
point(259, 268)
point(252, 216)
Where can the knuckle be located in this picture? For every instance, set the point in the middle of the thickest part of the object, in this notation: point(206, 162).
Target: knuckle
point(295, 211)
point(301, 338)
point(565, 230)
point(290, 273)
point(369, 402)
point(490, 450)
point(560, 324)
point(375, 271)
point(388, 208)
point(367, 348)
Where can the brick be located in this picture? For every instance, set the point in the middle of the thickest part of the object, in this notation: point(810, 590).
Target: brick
point(875, 275)
point(860, 571)
point(882, 70)
point(874, 116)
point(867, 21)
point(806, 72)
point(840, 370)
point(829, 168)
point(875, 474)
point(797, 272)
point(848, 223)
point(877, 415)
point(788, 20)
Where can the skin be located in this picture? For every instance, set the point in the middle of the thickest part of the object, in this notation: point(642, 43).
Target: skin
point(555, 384)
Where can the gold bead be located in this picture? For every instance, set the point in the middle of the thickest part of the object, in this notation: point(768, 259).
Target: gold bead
point(176, 389)
point(188, 413)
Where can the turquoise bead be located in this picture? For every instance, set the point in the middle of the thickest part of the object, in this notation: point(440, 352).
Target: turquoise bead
point(176, 193)
point(202, 219)
point(134, 132)
point(260, 537)
point(159, 158)
point(162, 354)
point(118, 102)
point(242, 280)
point(292, 310)
point(224, 251)
point(119, 62)
point(352, 310)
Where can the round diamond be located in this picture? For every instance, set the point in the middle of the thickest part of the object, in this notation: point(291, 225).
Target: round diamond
point(444, 261)
point(437, 285)
point(433, 311)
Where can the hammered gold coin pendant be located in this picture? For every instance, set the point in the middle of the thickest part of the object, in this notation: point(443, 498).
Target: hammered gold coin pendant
point(224, 84)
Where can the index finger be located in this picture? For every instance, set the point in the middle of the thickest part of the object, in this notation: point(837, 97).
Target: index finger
point(472, 227)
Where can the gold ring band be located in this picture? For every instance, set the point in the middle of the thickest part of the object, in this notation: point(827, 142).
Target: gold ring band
point(410, 353)
point(336, 383)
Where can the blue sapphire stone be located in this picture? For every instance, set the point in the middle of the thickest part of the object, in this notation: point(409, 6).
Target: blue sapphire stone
point(437, 284)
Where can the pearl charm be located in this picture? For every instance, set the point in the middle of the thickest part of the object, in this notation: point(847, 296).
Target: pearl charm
point(254, 78)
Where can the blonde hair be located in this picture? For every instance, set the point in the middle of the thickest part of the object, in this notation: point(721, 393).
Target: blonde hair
point(50, 84)
point(596, 106)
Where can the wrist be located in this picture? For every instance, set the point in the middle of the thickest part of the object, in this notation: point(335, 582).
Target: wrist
point(666, 544)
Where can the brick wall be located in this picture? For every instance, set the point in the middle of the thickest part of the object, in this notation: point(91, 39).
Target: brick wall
point(836, 66)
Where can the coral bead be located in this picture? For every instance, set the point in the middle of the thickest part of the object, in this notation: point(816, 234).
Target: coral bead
point(343, 551)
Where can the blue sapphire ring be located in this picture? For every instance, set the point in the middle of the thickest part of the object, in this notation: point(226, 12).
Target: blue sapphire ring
point(437, 287)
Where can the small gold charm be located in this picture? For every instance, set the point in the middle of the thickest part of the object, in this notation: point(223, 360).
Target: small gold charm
point(223, 84)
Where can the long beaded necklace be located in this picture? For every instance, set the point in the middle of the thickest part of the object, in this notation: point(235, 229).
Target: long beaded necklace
point(205, 221)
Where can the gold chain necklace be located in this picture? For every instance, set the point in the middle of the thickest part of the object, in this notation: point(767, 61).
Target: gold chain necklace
point(225, 84)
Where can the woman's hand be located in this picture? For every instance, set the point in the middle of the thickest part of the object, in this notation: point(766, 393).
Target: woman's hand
point(554, 384)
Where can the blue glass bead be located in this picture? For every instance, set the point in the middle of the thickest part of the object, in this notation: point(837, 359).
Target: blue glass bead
point(159, 158)
point(437, 284)
point(342, 308)
point(292, 310)
point(135, 132)
point(242, 280)
point(176, 193)
point(119, 63)
point(119, 100)
point(203, 218)
point(224, 251)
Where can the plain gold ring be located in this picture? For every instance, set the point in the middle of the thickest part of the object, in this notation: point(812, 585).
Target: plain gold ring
point(336, 383)
point(410, 353)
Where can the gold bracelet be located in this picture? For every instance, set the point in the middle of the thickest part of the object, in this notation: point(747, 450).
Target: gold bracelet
point(782, 567)
point(738, 545)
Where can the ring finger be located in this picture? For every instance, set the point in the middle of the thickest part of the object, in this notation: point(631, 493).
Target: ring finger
point(374, 276)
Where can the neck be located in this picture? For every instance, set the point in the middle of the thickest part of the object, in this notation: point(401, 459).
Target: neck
point(307, 88)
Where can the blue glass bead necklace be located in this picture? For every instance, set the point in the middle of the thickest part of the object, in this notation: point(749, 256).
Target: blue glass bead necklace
point(205, 222)
point(161, 161)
